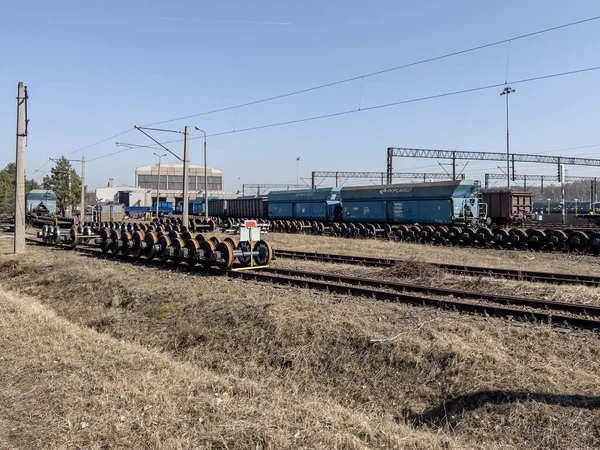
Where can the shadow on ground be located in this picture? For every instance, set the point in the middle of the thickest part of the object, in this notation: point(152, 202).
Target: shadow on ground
point(449, 411)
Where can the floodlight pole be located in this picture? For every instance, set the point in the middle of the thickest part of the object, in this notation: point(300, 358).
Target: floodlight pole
point(205, 177)
point(507, 90)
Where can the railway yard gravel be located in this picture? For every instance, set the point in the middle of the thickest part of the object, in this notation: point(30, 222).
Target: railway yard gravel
point(104, 354)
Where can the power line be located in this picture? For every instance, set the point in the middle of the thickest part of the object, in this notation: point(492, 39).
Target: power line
point(347, 80)
point(88, 146)
point(380, 72)
point(387, 105)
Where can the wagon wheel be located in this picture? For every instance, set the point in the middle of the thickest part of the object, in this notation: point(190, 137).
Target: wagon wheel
point(105, 236)
point(232, 241)
point(387, 230)
point(56, 235)
point(484, 236)
point(164, 243)
point(320, 228)
point(578, 241)
point(427, 233)
point(151, 238)
point(413, 233)
point(536, 239)
point(439, 234)
point(454, 235)
point(207, 248)
point(178, 245)
point(126, 243)
point(402, 232)
point(245, 247)
point(74, 237)
point(467, 236)
point(192, 247)
point(226, 251)
point(200, 238)
point(265, 253)
point(137, 238)
point(501, 237)
point(215, 240)
point(594, 243)
point(518, 237)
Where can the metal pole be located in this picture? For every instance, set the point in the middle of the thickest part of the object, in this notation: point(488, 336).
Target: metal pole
point(564, 209)
point(507, 146)
point(186, 171)
point(453, 165)
point(508, 90)
point(542, 178)
point(390, 164)
point(297, 169)
point(158, 185)
point(205, 182)
point(513, 167)
point(19, 242)
point(312, 183)
point(69, 202)
point(82, 212)
point(487, 180)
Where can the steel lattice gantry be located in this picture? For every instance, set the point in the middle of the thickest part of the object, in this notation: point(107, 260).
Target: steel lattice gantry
point(484, 156)
point(525, 178)
point(257, 187)
point(377, 175)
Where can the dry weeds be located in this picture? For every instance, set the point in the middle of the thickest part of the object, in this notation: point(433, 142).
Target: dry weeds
point(510, 259)
point(294, 368)
point(424, 274)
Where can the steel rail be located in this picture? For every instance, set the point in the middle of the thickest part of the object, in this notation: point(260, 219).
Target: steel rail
point(398, 297)
point(575, 308)
point(343, 288)
point(527, 275)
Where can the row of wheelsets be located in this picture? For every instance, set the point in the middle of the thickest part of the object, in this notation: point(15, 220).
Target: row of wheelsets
point(184, 247)
point(334, 228)
point(76, 234)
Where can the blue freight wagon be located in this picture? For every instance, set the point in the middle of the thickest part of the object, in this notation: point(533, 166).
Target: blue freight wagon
point(447, 202)
point(306, 204)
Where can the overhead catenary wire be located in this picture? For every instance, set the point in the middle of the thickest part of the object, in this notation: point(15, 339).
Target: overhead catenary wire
point(371, 74)
point(371, 108)
point(383, 71)
point(400, 102)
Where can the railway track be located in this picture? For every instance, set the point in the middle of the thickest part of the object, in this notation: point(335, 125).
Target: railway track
point(520, 308)
point(525, 275)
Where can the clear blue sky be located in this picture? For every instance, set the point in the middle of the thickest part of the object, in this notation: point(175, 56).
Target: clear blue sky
point(96, 69)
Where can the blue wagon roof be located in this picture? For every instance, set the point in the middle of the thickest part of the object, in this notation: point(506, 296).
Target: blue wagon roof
point(307, 195)
point(41, 194)
point(441, 189)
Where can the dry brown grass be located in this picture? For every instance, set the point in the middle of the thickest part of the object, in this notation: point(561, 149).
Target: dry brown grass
point(511, 259)
point(296, 368)
point(418, 272)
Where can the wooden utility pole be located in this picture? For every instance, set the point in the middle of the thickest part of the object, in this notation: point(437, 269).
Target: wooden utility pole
point(186, 171)
point(19, 246)
point(82, 212)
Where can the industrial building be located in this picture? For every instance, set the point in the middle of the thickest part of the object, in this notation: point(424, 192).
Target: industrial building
point(144, 191)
